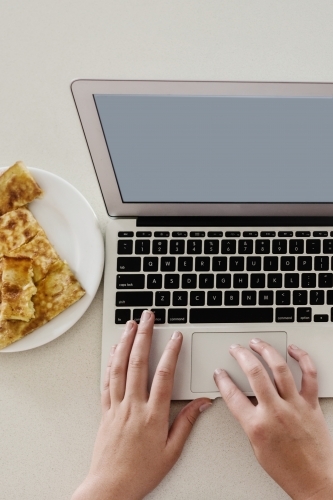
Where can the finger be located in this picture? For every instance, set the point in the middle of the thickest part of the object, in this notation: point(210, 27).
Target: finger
point(137, 372)
point(283, 378)
point(118, 370)
point(309, 386)
point(258, 377)
point(183, 424)
point(161, 389)
point(238, 404)
point(106, 399)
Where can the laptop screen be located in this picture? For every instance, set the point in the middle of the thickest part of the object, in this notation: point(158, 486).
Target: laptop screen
point(217, 149)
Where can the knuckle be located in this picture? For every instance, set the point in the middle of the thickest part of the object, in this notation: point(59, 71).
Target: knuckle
point(116, 371)
point(282, 368)
point(164, 372)
point(136, 362)
point(312, 372)
point(255, 371)
point(230, 394)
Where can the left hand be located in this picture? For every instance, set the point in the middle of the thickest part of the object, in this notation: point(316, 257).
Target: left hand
point(135, 448)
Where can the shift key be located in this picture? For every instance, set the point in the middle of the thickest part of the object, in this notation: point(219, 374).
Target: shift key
point(129, 299)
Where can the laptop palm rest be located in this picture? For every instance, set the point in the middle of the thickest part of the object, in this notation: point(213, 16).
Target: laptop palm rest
point(210, 350)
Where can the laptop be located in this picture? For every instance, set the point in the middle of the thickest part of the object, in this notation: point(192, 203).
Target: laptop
point(220, 199)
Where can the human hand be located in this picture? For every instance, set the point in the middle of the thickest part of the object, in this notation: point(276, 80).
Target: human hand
point(135, 448)
point(286, 429)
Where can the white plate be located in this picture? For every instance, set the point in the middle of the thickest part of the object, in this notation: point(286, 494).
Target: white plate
point(72, 227)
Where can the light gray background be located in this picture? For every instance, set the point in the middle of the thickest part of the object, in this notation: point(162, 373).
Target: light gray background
point(49, 397)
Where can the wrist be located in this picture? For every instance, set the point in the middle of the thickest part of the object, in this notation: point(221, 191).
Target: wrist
point(93, 488)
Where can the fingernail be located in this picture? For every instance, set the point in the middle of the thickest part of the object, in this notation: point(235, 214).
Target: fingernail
point(255, 341)
point(176, 335)
point(146, 315)
point(128, 327)
point(293, 346)
point(218, 371)
point(233, 346)
point(205, 407)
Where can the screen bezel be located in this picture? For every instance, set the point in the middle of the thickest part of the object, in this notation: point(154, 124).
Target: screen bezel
point(83, 92)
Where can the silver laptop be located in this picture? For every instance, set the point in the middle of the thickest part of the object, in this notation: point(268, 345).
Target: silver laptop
point(220, 198)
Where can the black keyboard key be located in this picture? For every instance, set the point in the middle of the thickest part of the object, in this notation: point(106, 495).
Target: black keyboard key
point(129, 264)
point(194, 246)
point(150, 264)
point(130, 281)
point(266, 298)
point(168, 264)
point(132, 299)
point(215, 298)
point(211, 246)
point(231, 298)
point(291, 280)
point(143, 234)
point(197, 298)
point(284, 314)
point(325, 280)
point(232, 234)
point(202, 263)
point(287, 263)
point(282, 298)
point(179, 298)
point(279, 246)
point(300, 297)
point(125, 234)
point(232, 315)
point(142, 247)
point(249, 298)
point(206, 280)
point(274, 280)
point(160, 247)
point(304, 263)
point(159, 316)
point(161, 234)
point(189, 281)
point(122, 316)
point(162, 298)
point(250, 234)
point(304, 314)
point(308, 280)
point(296, 246)
point(223, 280)
point(320, 234)
point(241, 280)
point(236, 264)
point(185, 263)
point(321, 263)
point(303, 234)
point(313, 246)
point(328, 246)
point(177, 247)
point(268, 234)
point(228, 246)
point(179, 234)
point(197, 234)
point(154, 281)
point(171, 281)
point(285, 234)
point(214, 234)
point(271, 263)
point(253, 264)
point(317, 297)
point(257, 280)
point(220, 263)
point(245, 246)
point(125, 247)
point(320, 318)
point(137, 315)
point(263, 246)
point(330, 297)
point(177, 316)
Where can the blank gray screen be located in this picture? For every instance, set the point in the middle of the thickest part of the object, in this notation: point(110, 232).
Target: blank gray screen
point(219, 149)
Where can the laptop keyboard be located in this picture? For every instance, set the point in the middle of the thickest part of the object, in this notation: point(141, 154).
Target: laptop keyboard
point(225, 277)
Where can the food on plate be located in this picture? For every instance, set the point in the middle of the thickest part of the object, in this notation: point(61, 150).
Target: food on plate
point(17, 289)
point(35, 283)
point(17, 188)
point(57, 291)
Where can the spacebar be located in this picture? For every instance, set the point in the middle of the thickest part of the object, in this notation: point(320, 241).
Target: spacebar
point(232, 315)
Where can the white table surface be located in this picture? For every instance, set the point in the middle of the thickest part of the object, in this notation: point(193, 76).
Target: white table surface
point(49, 397)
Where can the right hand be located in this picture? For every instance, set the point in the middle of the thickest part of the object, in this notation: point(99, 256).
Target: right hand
point(286, 429)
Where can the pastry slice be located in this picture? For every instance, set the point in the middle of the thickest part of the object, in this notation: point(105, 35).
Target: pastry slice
point(17, 289)
point(17, 228)
point(17, 188)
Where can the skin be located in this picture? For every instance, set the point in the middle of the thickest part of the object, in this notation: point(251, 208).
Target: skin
point(135, 448)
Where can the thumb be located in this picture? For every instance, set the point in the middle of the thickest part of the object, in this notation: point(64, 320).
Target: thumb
point(183, 423)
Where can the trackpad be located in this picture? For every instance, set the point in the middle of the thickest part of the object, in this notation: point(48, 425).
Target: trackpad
point(210, 350)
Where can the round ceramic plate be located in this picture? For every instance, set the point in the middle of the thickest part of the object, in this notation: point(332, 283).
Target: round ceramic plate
point(72, 228)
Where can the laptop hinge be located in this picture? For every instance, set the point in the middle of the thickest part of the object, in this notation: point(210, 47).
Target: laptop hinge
point(233, 221)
